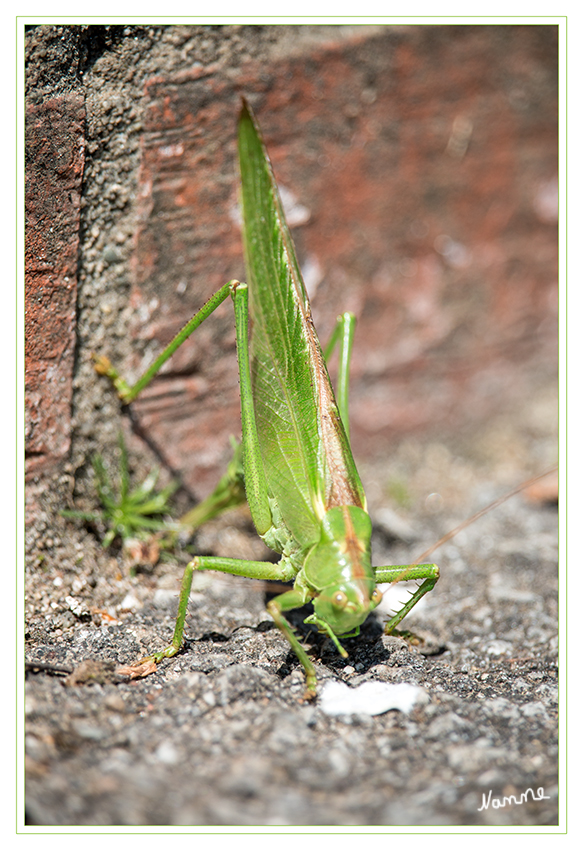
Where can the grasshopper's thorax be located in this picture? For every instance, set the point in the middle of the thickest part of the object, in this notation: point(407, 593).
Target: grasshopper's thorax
point(339, 569)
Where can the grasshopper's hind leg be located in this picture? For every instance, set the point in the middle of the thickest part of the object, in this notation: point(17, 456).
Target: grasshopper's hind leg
point(342, 336)
point(128, 393)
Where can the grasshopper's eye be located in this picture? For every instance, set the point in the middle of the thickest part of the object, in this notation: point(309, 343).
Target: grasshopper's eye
point(339, 599)
point(376, 597)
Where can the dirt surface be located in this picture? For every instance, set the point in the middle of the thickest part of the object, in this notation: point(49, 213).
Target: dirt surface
point(219, 735)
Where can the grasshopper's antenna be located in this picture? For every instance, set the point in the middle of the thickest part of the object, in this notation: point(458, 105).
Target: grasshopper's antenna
point(485, 510)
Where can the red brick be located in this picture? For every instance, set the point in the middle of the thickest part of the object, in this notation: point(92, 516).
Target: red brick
point(54, 169)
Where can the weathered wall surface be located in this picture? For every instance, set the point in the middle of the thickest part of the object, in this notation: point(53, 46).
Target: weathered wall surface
point(422, 162)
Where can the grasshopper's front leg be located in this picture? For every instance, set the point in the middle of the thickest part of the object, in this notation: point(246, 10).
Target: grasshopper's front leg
point(287, 602)
point(254, 474)
point(283, 571)
point(428, 572)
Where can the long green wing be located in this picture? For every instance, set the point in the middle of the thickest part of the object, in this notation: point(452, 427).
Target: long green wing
point(308, 462)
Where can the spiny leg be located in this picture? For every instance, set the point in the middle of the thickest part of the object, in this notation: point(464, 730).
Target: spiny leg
point(230, 491)
point(147, 665)
point(428, 572)
point(255, 479)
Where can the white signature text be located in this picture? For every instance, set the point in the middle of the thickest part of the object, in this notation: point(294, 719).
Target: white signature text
point(501, 802)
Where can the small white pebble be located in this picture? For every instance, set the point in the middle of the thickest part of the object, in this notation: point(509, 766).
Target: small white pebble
point(370, 698)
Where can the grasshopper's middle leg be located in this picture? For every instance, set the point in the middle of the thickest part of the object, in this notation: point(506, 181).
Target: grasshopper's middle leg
point(263, 570)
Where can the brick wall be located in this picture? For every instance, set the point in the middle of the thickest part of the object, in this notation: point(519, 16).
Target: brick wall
point(423, 164)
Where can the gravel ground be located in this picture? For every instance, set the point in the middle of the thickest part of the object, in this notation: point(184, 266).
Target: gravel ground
point(220, 735)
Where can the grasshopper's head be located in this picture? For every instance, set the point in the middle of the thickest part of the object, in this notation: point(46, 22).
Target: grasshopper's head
point(339, 568)
point(345, 606)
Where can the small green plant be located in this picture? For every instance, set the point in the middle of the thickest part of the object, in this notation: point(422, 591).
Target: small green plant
point(130, 514)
